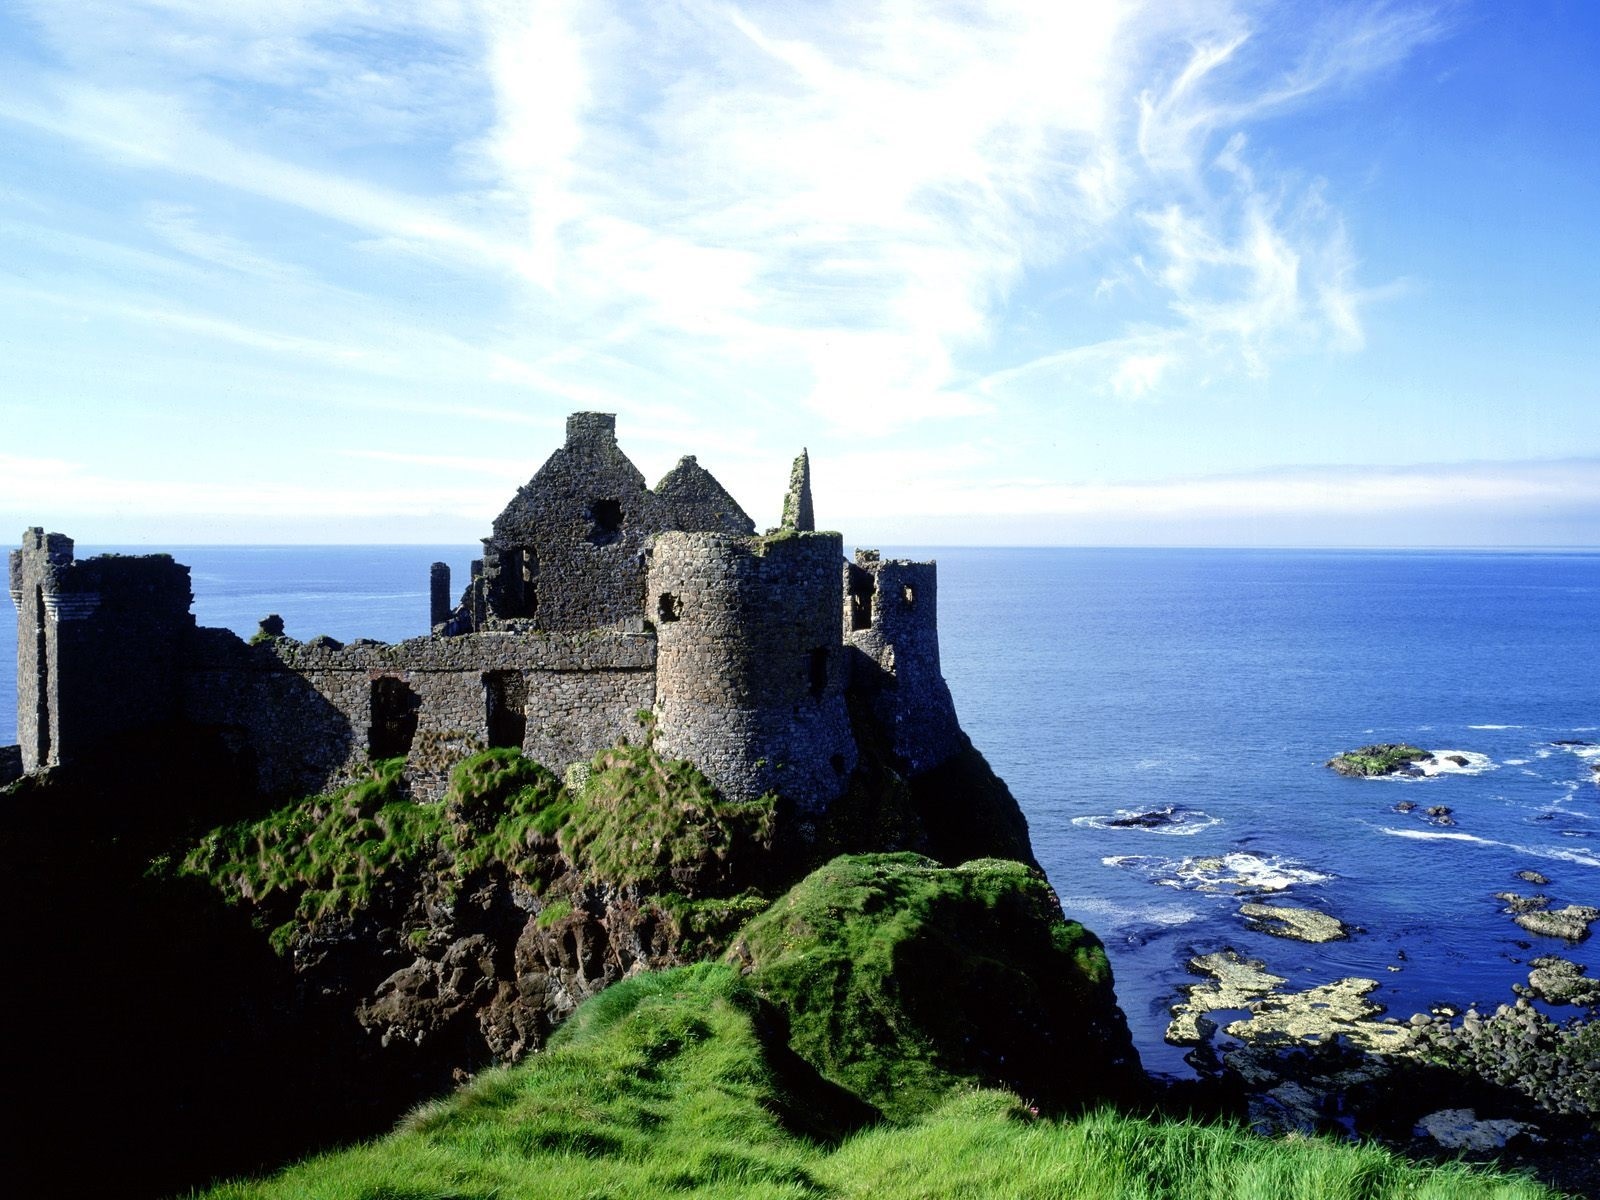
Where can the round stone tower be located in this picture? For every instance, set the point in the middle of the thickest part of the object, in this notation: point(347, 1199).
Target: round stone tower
point(750, 664)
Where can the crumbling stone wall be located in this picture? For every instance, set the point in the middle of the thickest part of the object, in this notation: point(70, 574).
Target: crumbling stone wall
point(567, 552)
point(694, 500)
point(309, 711)
point(750, 670)
point(597, 598)
point(98, 645)
point(891, 623)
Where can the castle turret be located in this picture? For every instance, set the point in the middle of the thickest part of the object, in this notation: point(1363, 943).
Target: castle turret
point(891, 620)
point(750, 670)
point(99, 645)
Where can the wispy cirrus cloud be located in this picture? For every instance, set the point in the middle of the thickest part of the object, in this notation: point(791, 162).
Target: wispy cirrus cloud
point(713, 215)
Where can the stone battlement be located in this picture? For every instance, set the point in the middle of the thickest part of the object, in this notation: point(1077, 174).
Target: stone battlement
point(597, 599)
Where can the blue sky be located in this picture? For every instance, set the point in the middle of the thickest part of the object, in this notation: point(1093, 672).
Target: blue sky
point(1114, 273)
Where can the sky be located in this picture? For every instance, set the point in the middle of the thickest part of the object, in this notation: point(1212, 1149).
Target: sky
point(1185, 272)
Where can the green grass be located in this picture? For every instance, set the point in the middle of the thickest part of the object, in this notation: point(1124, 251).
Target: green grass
point(321, 855)
point(647, 820)
point(636, 820)
point(1376, 760)
point(901, 979)
point(667, 1084)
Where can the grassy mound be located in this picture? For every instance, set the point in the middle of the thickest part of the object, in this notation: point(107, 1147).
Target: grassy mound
point(669, 1084)
point(901, 979)
point(1384, 759)
point(635, 819)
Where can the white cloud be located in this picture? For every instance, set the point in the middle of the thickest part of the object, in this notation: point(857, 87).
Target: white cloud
point(713, 215)
point(953, 488)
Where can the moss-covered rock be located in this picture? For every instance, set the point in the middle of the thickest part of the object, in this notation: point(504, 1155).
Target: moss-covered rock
point(1387, 758)
point(900, 979)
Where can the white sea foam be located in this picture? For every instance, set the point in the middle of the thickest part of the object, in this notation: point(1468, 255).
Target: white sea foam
point(1581, 857)
point(1442, 763)
point(1518, 762)
point(1494, 726)
point(1237, 872)
point(1116, 914)
point(1173, 820)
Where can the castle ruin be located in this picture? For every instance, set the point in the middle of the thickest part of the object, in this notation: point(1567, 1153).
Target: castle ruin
point(757, 657)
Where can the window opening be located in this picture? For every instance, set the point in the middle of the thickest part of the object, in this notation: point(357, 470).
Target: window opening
point(607, 518)
point(505, 695)
point(394, 718)
point(819, 671)
point(862, 587)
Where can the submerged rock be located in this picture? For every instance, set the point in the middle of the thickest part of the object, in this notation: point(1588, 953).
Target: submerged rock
point(1300, 924)
point(1536, 878)
point(1155, 818)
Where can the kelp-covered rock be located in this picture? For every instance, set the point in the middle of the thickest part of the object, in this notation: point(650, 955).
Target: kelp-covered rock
point(900, 979)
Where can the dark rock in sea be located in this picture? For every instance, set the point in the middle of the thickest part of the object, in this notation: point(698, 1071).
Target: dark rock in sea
point(1386, 758)
point(1153, 819)
point(1557, 980)
point(1406, 806)
point(1570, 742)
point(1460, 760)
point(1536, 878)
point(1439, 814)
point(1523, 904)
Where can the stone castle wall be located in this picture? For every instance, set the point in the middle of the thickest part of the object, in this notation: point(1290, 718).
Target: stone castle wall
point(314, 713)
point(99, 645)
point(891, 621)
point(751, 673)
point(598, 598)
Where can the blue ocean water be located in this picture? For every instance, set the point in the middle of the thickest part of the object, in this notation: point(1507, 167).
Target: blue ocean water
point(1106, 682)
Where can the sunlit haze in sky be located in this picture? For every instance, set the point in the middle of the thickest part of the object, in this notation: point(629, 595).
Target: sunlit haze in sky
point(1166, 273)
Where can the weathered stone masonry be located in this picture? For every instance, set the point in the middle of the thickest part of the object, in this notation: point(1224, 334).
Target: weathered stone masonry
point(597, 599)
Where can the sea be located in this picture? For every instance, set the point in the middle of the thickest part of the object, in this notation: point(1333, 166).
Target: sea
point(1165, 717)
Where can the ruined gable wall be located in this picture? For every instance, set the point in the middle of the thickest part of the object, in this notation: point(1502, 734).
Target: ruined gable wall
point(565, 553)
point(750, 669)
point(891, 621)
point(307, 712)
point(696, 503)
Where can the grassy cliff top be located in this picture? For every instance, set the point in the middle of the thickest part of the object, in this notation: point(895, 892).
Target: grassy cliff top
point(677, 1084)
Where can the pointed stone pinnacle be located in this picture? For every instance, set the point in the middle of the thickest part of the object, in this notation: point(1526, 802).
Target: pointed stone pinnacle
point(797, 512)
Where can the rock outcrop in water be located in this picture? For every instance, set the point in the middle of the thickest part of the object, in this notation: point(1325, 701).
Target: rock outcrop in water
point(1387, 758)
